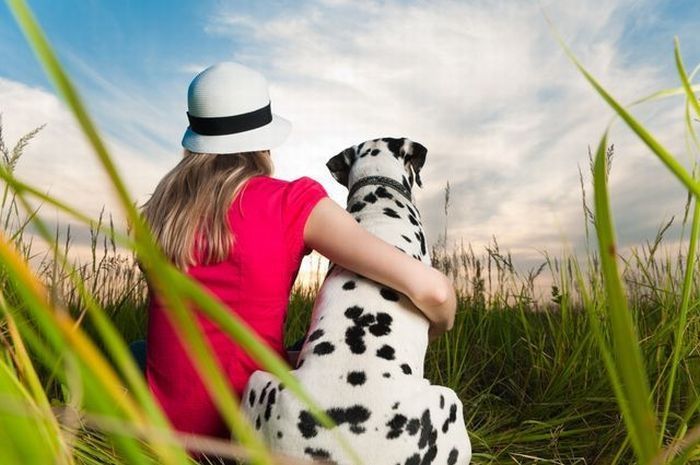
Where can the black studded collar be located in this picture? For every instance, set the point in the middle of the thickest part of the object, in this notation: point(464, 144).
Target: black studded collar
point(382, 180)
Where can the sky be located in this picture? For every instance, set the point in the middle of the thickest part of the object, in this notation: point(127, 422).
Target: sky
point(506, 117)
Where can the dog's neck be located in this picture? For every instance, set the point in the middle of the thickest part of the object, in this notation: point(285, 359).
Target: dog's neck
point(389, 183)
point(364, 178)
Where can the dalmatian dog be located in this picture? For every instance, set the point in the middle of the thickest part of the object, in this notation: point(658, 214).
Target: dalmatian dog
point(363, 355)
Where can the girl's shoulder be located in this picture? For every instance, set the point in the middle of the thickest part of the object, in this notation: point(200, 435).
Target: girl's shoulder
point(301, 184)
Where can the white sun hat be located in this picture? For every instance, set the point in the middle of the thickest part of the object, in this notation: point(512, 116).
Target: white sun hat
point(229, 111)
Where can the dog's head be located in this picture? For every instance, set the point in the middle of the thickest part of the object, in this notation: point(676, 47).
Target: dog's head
point(400, 159)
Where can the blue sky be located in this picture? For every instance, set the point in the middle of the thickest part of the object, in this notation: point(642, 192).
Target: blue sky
point(505, 116)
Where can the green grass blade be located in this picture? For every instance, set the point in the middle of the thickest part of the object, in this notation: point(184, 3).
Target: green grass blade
point(629, 363)
point(691, 255)
point(692, 99)
point(113, 341)
point(25, 436)
point(57, 322)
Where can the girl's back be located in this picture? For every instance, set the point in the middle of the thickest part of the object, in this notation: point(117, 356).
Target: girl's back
point(268, 217)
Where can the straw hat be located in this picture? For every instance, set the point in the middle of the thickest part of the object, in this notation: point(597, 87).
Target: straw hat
point(229, 111)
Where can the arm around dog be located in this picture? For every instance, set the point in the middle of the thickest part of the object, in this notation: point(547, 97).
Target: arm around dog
point(354, 248)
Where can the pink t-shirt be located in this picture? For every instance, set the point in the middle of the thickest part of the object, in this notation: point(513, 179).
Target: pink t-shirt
point(267, 218)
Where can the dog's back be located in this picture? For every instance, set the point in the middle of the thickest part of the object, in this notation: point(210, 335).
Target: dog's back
point(362, 361)
point(371, 387)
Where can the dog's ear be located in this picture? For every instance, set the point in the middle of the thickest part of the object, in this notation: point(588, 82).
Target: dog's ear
point(414, 154)
point(340, 164)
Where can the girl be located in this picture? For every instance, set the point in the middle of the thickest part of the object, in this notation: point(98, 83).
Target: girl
point(221, 217)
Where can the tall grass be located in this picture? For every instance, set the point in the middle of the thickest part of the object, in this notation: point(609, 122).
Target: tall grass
point(604, 370)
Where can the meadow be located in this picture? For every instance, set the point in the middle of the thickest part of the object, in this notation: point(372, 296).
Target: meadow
point(604, 370)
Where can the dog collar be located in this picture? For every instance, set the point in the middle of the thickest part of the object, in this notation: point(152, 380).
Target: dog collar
point(383, 180)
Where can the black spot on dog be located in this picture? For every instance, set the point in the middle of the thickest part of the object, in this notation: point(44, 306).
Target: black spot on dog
point(264, 392)
point(365, 320)
point(386, 352)
point(353, 312)
point(452, 458)
point(270, 403)
point(356, 207)
point(371, 198)
point(416, 256)
point(402, 250)
point(251, 397)
point(315, 335)
point(349, 285)
point(412, 219)
point(357, 219)
point(391, 213)
point(378, 325)
point(429, 456)
point(419, 235)
point(279, 434)
point(406, 369)
point(280, 387)
point(405, 183)
point(406, 238)
point(317, 453)
point(386, 374)
point(396, 425)
point(413, 460)
point(394, 146)
point(257, 422)
point(356, 414)
point(442, 401)
point(375, 152)
point(382, 192)
point(398, 204)
point(301, 362)
point(354, 339)
point(389, 294)
point(357, 378)
point(324, 348)
point(426, 428)
point(357, 429)
point(451, 419)
point(413, 426)
point(395, 406)
point(307, 424)
point(353, 415)
point(383, 325)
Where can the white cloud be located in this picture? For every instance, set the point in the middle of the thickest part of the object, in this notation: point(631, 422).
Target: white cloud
point(484, 85)
point(60, 162)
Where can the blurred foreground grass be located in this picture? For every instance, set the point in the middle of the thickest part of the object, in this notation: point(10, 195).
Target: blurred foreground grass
point(604, 371)
point(527, 369)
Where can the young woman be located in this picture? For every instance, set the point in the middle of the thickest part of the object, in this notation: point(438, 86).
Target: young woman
point(221, 217)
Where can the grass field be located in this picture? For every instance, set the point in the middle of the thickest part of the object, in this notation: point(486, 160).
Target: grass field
point(528, 371)
point(604, 371)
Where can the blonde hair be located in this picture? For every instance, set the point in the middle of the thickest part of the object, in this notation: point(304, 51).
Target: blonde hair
point(194, 197)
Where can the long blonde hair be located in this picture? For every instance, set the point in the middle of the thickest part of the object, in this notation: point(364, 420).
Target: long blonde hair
point(194, 198)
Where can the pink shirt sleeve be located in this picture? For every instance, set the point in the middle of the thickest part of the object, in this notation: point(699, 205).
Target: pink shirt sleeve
point(301, 197)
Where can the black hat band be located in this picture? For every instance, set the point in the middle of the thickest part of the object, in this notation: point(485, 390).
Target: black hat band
point(222, 125)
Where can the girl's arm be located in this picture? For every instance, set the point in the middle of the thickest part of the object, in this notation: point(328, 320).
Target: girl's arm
point(334, 233)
